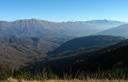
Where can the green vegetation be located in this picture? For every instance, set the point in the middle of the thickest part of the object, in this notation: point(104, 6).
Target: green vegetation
point(47, 74)
point(44, 74)
point(5, 73)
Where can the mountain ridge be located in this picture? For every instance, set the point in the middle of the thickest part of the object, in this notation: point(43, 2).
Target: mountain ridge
point(33, 39)
point(111, 57)
point(116, 31)
point(89, 42)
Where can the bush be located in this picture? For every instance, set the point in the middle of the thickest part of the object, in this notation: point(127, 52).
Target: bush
point(5, 73)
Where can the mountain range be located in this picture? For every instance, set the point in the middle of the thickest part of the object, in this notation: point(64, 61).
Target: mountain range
point(30, 40)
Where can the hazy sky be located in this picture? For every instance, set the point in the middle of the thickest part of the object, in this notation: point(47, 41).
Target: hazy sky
point(64, 10)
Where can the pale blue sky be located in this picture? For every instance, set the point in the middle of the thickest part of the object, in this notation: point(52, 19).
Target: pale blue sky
point(64, 10)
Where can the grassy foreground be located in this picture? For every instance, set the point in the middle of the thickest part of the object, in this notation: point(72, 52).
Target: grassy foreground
point(91, 80)
point(115, 75)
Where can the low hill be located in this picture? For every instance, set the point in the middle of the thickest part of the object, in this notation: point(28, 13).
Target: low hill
point(114, 56)
point(87, 43)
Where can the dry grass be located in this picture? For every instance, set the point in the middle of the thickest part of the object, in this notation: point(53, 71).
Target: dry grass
point(91, 80)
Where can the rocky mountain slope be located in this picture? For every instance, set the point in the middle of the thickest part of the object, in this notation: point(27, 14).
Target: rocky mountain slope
point(28, 40)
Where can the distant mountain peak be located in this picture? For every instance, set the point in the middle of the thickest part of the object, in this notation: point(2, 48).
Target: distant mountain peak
point(104, 21)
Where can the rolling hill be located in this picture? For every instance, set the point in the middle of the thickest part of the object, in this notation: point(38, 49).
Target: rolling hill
point(121, 30)
point(86, 43)
point(112, 57)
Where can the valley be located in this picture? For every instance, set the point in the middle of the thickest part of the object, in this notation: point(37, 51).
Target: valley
point(31, 46)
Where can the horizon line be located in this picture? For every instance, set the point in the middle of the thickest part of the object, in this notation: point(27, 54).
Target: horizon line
point(7, 20)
